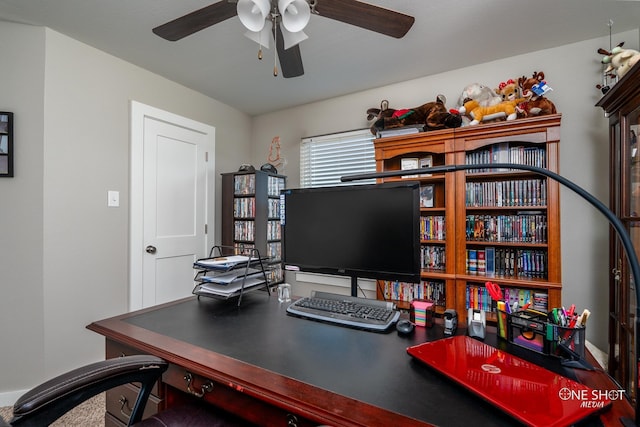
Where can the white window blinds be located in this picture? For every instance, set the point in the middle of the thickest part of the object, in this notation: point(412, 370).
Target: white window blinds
point(324, 159)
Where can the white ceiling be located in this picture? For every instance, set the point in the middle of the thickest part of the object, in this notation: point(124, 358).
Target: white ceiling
point(338, 58)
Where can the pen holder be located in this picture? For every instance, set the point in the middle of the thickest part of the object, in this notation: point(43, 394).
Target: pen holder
point(531, 330)
point(561, 338)
point(527, 329)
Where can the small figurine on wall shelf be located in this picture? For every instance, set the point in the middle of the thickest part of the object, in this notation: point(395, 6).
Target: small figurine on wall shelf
point(274, 158)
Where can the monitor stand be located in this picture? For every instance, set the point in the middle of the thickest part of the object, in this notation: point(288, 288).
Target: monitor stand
point(354, 286)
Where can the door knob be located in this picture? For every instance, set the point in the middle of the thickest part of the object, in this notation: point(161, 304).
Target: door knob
point(150, 249)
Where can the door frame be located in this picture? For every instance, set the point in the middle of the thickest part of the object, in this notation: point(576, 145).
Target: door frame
point(140, 112)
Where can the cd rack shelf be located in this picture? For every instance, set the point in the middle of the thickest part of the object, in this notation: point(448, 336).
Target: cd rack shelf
point(228, 272)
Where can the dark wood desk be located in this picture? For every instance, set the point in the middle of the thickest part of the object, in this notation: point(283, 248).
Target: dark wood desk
point(270, 367)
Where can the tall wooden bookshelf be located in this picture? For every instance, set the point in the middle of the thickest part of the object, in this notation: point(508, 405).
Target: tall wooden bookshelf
point(510, 217)
point(251, 216)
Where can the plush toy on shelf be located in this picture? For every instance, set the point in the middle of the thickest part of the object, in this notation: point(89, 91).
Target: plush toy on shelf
point(508, 90)
point(533, 90)
point(620, 60)
point(432, 115)
point(484, 95)
point(478, 113)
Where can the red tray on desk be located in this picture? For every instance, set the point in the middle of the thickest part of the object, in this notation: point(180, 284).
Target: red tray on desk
point(528, 392)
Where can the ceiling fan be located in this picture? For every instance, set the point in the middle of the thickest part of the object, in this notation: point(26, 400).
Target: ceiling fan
point(281, 12)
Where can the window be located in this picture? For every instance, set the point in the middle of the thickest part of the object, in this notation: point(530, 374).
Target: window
point(324, 159)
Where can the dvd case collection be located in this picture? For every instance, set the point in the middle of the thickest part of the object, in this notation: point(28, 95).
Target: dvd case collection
point(244, 184)
point(478, 298)
point(274, 185)
point(244, 230)
point(504, 153)
point(524, 227)
point(431, 290)
point(244, 207)
point(274, 231)
point(516, 192)
point(432, 258)
point(273, 208)
point(508, 262)
point(432, 227)
point(274, 251)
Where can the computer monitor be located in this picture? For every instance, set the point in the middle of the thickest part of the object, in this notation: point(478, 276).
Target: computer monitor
point(367, 231)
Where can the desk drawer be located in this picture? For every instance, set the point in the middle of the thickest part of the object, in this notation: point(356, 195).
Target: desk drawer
point(229, 399)
point(111, 421)
point(120, 401)
point(116, 349)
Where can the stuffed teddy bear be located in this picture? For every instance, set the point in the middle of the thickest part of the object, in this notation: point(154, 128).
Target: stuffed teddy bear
point(533, 90)
point(484, 95)
point(478, 113)
point(433, 115)
point(620, 60)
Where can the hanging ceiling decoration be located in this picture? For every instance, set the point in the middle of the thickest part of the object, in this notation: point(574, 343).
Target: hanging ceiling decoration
point(284, 21)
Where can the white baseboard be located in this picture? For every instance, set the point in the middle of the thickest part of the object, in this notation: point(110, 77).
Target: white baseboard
point(8, 398)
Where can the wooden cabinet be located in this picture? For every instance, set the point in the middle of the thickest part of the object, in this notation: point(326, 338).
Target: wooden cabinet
point(486, 223)
point(251, 216)
point(622, 105)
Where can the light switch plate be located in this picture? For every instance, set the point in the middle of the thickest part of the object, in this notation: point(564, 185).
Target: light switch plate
point(113, 198)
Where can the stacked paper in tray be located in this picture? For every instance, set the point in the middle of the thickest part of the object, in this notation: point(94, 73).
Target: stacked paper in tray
point(422, 312)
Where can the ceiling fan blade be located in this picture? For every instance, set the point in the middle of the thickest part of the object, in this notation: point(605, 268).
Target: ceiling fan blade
point(196, 21)
point(290, 59)
point(367, 16)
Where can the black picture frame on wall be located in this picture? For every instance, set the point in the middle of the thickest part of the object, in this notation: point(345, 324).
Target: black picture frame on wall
point(6, 144)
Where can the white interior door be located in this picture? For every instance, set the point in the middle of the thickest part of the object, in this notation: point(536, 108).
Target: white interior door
point(172, 187)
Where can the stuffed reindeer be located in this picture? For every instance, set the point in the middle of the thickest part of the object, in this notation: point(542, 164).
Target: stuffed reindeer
point(433, 115)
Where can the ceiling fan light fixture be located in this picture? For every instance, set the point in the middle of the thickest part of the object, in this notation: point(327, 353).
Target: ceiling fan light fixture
point(253, 13)
point(291, 39)
point(295, 14)
point(261, 37)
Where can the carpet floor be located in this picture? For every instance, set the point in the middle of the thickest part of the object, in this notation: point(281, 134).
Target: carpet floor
point(87, 414)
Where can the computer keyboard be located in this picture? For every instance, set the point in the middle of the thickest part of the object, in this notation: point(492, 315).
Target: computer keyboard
point(361, 313)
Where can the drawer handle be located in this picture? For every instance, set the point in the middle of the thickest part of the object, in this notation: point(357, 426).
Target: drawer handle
point(124, 403)
point(292, 420)
point(206, 387)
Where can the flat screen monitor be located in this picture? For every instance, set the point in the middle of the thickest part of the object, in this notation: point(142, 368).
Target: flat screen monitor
point(368, 231)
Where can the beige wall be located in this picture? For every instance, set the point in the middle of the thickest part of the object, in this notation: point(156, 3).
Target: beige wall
point(572, 71)
point(21, 214)
point(64, 253)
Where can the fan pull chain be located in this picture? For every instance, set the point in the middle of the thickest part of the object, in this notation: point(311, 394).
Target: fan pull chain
point(275, 50)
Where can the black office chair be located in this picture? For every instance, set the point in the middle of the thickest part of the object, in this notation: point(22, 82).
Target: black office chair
point(49, 401)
